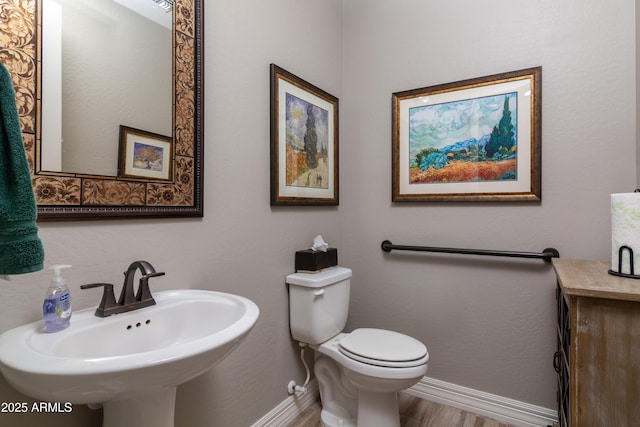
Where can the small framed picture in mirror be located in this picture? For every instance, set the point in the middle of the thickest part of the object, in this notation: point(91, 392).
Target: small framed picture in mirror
point(145, 154)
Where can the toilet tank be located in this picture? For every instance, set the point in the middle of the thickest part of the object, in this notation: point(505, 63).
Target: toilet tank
point(318, 304)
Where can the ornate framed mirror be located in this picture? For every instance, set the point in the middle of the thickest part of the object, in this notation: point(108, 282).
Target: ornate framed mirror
point(74, 195)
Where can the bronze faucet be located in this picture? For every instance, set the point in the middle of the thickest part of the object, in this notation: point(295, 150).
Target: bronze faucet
point(127, 301)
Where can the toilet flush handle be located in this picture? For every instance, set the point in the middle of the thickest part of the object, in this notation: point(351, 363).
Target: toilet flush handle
point(318, 293)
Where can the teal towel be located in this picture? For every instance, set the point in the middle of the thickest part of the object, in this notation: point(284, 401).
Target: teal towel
point(21, 250)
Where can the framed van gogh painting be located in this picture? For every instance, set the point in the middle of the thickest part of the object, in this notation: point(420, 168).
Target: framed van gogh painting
point(472, 140)
point(304, 142)
point(145, 155)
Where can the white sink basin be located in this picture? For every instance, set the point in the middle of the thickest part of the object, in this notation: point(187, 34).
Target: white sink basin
point(129, 359)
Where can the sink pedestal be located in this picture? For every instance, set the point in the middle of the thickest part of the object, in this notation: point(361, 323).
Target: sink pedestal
point(154, 409)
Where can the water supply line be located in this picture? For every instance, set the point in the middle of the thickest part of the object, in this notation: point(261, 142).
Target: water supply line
point(292, 387)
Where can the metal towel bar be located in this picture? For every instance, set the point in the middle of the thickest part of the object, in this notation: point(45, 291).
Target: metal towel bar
point(545, 255)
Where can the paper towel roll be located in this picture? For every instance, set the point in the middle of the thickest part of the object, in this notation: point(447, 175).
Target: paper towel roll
point(625, 231)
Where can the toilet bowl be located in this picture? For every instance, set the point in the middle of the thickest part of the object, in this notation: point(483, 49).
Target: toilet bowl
point(359, 373)
point(376, 372)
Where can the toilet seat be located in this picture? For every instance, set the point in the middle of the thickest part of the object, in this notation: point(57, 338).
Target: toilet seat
point(384, 348)
point(370, 367)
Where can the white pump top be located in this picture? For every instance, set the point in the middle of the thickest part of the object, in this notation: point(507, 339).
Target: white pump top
point(57, 277)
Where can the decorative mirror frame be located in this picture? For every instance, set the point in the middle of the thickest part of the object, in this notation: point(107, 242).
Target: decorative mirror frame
point(74, 196)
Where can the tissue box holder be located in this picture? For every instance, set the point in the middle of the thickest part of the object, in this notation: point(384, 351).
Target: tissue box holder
point(310, 261)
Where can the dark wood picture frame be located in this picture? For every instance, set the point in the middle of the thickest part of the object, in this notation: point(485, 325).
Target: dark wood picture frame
point(146, 155)
point(304, 142)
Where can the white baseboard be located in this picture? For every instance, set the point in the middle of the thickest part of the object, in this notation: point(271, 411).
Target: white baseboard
point(290, 408)
point(478, 402)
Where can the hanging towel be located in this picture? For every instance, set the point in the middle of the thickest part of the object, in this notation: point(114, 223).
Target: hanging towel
point(21, 250)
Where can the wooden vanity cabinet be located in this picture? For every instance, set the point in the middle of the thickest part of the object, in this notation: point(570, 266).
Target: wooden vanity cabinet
point(598, 357)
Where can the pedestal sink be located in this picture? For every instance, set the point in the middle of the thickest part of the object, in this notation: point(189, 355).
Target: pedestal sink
point(132, 362)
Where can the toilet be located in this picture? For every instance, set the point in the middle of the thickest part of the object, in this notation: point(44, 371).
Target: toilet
point(360, 372)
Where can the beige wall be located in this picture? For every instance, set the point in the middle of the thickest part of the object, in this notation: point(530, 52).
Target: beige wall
point(637, 70)
point(242, 245)
point(488, 324)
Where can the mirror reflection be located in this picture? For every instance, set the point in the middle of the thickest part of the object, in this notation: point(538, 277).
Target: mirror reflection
point(105, 63)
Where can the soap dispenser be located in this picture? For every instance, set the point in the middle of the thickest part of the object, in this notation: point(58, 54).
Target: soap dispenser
point(56, 309)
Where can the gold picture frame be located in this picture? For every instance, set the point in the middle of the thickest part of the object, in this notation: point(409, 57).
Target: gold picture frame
point(472, 140)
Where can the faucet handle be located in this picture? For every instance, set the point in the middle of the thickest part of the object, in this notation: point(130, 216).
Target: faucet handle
point(144, 293)
point(108, 298)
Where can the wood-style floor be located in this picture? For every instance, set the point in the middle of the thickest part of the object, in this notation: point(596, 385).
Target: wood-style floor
point(414, 412)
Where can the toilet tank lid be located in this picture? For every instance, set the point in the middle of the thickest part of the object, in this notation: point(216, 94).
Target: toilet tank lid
point(325, 277)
